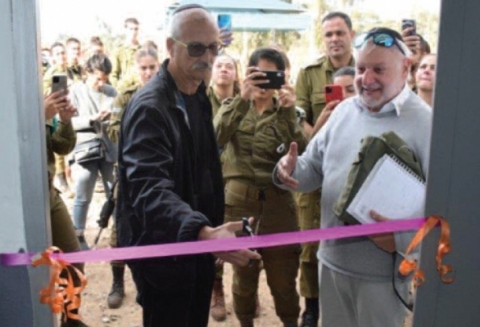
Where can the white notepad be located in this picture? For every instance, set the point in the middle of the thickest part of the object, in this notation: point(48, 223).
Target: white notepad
point(392, 190)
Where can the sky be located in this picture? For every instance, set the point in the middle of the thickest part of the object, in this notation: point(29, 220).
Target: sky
point(79, 17)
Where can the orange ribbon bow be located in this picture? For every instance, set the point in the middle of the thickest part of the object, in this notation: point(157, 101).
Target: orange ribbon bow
point(61, 294)
point(407, 266)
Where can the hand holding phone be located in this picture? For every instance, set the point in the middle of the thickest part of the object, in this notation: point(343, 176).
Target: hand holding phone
point(333, 92)
point(276, 78)
point(410, 37)
point(286, 96)
point(54, 103)
point(224, 22)
point(59, 82)
point(409, 23)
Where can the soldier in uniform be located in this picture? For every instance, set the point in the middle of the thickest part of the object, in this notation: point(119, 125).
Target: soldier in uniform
point(132, 79)
point(60, 139)
point(310, 90)
point(255, 129)
point(45, 60)
point(146, 64)
point(60, 67)
point(146, 60)
point(95, 46)
point(123, 57)
point(224, 85)
point(74, 50)
point(76, 73)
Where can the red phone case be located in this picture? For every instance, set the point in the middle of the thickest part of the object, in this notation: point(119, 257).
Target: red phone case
point(333, 92)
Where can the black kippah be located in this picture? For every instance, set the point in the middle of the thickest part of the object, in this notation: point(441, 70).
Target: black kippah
point(188, 7)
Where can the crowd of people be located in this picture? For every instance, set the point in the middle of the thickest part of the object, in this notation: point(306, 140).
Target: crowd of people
point(189, 148)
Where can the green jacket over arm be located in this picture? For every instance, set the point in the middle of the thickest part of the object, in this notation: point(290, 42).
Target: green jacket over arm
point(61, 140)
point(119, 105)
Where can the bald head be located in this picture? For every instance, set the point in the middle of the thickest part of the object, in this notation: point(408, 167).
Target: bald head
point(192, 47)
point(190, 18)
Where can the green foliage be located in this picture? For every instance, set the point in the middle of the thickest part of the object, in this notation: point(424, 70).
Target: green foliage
point(302, 46)
point(244, 43)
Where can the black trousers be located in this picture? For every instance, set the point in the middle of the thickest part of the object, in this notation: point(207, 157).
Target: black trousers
point(178, 308)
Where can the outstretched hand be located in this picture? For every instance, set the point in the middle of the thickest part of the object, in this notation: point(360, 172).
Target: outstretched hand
point(286, 165)
point(227, 230)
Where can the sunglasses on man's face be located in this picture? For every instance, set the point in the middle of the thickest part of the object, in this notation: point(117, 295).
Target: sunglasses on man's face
point(382, 39)
point(197, 49)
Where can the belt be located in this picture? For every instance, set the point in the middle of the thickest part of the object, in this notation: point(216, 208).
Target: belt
point(253, 192)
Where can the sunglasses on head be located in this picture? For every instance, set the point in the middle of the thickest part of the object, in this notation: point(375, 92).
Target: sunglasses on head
point(197, 49)
point(384, 39)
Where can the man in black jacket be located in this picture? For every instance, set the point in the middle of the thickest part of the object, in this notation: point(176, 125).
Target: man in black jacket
point(170, 183)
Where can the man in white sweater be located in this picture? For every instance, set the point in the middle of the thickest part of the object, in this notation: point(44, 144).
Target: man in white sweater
point(356, 274)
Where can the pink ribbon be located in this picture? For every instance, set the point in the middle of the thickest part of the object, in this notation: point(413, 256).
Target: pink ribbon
point(221, 245)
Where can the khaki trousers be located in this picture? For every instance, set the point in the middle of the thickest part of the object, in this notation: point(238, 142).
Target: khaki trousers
point(63, 232)
point(274, 211)
point(308, 206)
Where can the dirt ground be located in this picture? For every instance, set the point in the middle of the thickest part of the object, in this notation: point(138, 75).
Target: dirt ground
point(94, 309)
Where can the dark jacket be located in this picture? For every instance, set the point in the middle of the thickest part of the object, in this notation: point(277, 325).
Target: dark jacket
point(160, 199)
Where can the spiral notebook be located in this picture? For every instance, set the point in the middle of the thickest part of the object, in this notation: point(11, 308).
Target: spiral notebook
point(392, 190)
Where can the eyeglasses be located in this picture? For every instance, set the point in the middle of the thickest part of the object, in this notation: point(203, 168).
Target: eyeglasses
point(381, 38)
point(197, 49)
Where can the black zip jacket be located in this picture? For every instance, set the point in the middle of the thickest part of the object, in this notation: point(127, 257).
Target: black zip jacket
point(161, 199)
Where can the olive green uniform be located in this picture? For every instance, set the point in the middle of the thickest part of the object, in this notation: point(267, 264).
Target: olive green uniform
point(113, 131)
point(128, 81)
point(123, 60)
point(214, 100)
point(60, 139)
point(310, 91)
point(77, 72)
point(119, 105)
point(74, 74)
point(216, 104)
point(253, 143)
point(45, 68)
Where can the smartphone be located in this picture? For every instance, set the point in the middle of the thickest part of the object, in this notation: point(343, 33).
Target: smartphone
point(333, 92)
point(406, 23)
point(224, 21)
point(59, 82)
point(276, 78)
